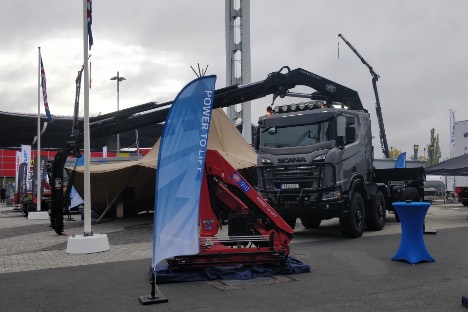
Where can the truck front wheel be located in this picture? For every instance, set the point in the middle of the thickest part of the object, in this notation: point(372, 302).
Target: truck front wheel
point(310, 222)
point(352, 224)
point(376, 213)
point(464, 203)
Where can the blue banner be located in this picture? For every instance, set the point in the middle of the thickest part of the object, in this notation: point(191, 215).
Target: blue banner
point(401, 161)
point(180, 170)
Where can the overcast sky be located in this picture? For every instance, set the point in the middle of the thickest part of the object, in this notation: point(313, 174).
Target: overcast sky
point(419, 48)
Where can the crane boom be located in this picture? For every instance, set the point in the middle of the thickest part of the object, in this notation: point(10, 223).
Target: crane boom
point(378, 109)
point(277, 84)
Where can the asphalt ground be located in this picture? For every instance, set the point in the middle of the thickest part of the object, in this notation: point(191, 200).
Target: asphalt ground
point(36, 274)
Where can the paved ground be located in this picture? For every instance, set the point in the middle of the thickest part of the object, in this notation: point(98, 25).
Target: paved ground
point(36, 274)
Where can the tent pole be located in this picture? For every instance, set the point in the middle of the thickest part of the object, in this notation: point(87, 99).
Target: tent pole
point(116, 196)
point(111, 203)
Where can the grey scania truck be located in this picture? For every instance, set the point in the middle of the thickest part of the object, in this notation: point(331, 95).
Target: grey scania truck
point(316, 162)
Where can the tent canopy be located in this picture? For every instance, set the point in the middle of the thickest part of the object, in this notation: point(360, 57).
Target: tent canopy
point(457, 166)
point(139, 176)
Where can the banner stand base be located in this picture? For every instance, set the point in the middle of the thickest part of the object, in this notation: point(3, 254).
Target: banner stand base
point(80, 244)
point(38, 215)
point(160, 298)
point(153, 298)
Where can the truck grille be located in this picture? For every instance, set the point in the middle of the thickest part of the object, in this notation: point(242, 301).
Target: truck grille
point(308, 176)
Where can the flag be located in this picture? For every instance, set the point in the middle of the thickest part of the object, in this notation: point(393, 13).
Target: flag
point(452, 126)
point(42, 163)
point(26, 158)
point(22, 181)
point(452, 132)
point(18, 162)
point(44, 91)
point(401, 161)
point(90, 22)
point(180, 170)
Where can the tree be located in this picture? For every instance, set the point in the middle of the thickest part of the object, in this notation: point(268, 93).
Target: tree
point(433, 150)
point(394, 153)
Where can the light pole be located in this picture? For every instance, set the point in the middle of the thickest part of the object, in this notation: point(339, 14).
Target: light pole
point(119, 79)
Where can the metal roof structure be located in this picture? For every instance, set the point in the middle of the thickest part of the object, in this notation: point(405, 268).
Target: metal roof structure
point(18, 128)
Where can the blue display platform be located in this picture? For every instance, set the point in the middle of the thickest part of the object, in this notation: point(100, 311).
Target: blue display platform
point(232, 272)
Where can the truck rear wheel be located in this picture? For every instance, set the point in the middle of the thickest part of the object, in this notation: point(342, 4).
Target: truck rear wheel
point(310, 223)
point(376, 213)
point(352, 224)
point(409, 193)
point(464, 203)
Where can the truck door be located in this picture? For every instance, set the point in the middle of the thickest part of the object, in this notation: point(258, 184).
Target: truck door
point(351, 149)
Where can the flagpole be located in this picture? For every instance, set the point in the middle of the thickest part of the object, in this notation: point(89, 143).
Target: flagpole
point(38, 157)
point(87, 179)
point(88, 242)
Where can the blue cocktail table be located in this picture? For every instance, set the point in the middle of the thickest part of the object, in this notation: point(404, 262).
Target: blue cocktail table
point(412, 247)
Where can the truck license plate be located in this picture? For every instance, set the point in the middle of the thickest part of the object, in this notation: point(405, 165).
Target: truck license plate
point(290, 186)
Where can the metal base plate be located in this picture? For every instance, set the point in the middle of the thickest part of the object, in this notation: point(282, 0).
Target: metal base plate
point(430, 231)
point(145, 300)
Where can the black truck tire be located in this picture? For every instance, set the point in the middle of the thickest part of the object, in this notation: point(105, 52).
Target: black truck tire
point(376, 213)
point(310, 223)
point(409, 193)
point(464, 203)
point(352, 224)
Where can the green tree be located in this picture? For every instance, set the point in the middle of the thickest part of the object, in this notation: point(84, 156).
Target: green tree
point(394, 153)
point(433, 150)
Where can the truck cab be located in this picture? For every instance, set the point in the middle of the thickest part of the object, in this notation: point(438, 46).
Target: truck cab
point(310, 154)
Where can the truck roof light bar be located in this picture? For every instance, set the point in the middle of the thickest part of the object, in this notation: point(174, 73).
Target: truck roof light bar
point(303, 106)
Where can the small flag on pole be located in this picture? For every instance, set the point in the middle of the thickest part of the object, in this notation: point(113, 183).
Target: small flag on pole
point(44, 92)
point(90, 22)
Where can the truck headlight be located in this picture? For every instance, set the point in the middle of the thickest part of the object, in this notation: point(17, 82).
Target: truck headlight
point(320, 157)
point(331, 195)
point(266, 161)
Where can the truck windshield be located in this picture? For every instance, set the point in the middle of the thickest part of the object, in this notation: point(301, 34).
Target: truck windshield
point(297, 135)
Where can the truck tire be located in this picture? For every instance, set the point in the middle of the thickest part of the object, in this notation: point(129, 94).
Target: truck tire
point(310, 223)
point(376, 213)
point(409, 193)
point(464, 203)
point(352, 224)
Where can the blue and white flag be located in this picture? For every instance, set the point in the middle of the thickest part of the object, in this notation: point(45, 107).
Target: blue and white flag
point(401, 161)
point(44, 91)
point(89, 13)
point(452, 127)
point(180, 170)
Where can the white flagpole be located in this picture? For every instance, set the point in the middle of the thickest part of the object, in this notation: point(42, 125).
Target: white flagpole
point(87, 154)
point(88, 242)
point(38, 157)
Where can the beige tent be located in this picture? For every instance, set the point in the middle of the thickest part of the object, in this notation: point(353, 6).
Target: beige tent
point(134, 181)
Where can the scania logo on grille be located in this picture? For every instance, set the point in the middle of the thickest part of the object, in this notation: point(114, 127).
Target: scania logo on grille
point(330, 87)
point(291, 160)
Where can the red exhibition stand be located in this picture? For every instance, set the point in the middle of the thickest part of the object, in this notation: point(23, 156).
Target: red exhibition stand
point(412, 247)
